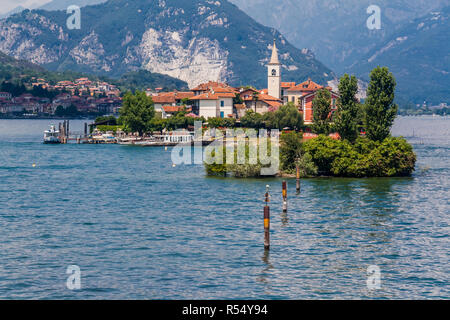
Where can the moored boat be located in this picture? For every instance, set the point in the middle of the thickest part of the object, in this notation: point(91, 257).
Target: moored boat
point(51, 136)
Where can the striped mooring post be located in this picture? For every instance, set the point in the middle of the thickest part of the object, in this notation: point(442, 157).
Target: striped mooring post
point(284, 196)
point(267, 220)
point(298, 180)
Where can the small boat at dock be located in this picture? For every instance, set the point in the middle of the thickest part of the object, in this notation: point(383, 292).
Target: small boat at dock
point(52, 136)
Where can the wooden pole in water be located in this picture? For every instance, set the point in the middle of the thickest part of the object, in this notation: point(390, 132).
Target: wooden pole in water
point(85, 129)
point(267, 220)
point(284, 196)
point(298, 179)
point(64, 132)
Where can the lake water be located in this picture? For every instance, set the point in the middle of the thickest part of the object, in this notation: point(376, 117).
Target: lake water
point(140, 229)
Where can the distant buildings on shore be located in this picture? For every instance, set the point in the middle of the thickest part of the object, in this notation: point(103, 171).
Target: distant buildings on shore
point(84, 95)
point(81, 87)
point(211, 99)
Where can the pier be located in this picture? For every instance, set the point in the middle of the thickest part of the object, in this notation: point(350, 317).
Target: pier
point(161, 140)
point(65, 135)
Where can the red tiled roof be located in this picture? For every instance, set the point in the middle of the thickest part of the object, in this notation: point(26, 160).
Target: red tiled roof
point(266, 97)
point(183, 95)
point(167, 97)
point(274, 104)
point(287, 84)
point(308, 85)
point(224, 90)
point(170, 97)
point(172, 109)
point(210, 84)
point(215, 96)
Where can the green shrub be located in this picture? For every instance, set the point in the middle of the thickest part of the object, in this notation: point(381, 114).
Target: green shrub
point(393, 157)
point(216, 169)
point(323, 151)
point(109, 128)
point(290, 150)
point(307, 166)
point(245, 170)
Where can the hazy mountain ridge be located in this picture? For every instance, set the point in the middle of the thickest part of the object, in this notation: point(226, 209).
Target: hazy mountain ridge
point(338, 35)
point(419, 57)
point(195, 41)
point(336, 31)
point(16, 71)
point(63, 4)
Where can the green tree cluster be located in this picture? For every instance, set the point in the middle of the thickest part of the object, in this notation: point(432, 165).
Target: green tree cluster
point(110, 120)
point(137, 112)
point(292, 155)
point(178, 121)
point(218, 122)
point(245, 170)
point(380, 109)
point(287, 116)
point(346, 121)
point(70, 111)
point(321, 112)
point(392, 157)
point(290, 150)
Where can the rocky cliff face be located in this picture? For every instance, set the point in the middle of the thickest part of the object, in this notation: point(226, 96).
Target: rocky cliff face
point(196, 60)
point(195, 41)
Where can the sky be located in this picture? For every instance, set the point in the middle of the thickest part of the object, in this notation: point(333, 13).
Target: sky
point(8, 5)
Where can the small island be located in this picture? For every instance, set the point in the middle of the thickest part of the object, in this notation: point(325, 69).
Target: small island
point(354, 141)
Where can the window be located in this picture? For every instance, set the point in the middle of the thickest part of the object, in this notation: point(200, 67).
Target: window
point(222, 103)
point(274, 72)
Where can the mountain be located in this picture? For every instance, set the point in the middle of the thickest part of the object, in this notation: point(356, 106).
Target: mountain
point(64, 4)
point(13, 11)
point(195, 41)
point(14, 70)
point(336, 31)
point(419, 57)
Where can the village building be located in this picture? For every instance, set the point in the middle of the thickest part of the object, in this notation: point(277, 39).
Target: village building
point(169, 111)
point(259, 101)
point(5, 96)
point(170, 99)
point(211, 85)
point(216, 102)
point(301, 94)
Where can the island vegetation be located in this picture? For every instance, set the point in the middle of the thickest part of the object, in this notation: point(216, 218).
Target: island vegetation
point(374, 154)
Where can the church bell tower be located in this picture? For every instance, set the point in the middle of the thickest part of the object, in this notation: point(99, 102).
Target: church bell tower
point(274, 74)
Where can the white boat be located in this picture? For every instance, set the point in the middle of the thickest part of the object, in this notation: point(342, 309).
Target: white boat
point(129, 141)
point(51, 136)
point(106, 138)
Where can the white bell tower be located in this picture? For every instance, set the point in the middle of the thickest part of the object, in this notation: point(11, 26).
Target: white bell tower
point(274, 74)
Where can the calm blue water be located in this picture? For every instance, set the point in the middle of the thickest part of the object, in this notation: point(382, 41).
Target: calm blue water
point(140, 229)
